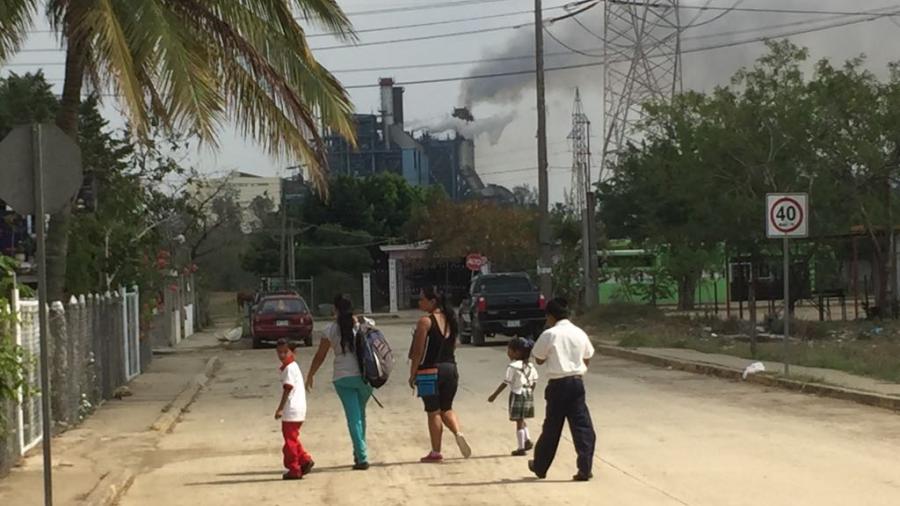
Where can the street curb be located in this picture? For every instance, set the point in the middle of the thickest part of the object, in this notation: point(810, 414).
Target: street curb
point(166, 421)
point(110, 489)
point(836, 392)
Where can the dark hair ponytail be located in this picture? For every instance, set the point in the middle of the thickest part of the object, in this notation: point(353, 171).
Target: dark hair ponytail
point(344, 308)
point(433, 294)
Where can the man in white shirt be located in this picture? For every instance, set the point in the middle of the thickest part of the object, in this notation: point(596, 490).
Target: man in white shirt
point(565, 350)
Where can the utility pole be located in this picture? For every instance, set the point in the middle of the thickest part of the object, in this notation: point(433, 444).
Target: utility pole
point(590, 237)
point(282, 271)
point(582, 197)
point(544, 265)
point(292, 255)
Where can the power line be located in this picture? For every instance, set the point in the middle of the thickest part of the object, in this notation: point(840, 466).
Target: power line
point(345, 246)
point(406, 26)
point(762, 10)
point(517, 26)
point(869, 16)
point(570, 48)
point(683, 51)
point(431, 23)
point(409, 8)
point(523, 169)
point(366, 44)
point(508, 27)
point(422, 37)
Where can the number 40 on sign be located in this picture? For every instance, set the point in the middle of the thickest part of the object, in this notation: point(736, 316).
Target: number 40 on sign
point(787, 215)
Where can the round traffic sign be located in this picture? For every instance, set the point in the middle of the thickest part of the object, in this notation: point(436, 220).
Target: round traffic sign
point(786, 215)
point(474, 262)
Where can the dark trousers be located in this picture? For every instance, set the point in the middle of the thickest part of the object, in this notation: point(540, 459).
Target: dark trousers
point(565, 401)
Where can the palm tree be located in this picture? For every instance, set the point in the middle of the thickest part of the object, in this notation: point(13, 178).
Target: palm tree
point(192, 65)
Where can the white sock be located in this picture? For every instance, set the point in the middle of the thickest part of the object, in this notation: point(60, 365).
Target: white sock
point(521, 437)
point(527, 436)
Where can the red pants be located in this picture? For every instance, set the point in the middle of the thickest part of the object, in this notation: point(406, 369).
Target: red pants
point(294, 455)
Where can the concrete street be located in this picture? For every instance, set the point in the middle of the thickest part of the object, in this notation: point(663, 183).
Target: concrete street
point(664, 438)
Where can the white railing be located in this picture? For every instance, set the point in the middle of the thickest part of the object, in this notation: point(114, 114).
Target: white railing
point(188, 321)
point(131, 332)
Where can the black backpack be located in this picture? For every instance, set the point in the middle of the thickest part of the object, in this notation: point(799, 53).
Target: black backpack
point(375, 356)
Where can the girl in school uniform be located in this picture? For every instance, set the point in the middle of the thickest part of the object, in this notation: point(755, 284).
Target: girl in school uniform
point(521, 378)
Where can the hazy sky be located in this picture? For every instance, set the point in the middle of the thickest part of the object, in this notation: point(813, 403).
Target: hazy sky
point(506, 154)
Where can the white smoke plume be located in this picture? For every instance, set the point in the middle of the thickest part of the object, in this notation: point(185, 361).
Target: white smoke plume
point(492, 126)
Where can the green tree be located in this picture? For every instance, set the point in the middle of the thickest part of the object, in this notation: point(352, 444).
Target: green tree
point(507, 235)
point(380, 204)
point(193, 64)
point(25, 99)
point(14, 361)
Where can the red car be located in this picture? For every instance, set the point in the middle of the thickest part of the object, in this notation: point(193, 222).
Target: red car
point(282, 315)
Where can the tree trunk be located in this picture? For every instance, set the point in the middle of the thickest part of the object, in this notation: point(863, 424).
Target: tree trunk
point(67, 120)
point(751, 303)
point(687, 286)
point(892, 251)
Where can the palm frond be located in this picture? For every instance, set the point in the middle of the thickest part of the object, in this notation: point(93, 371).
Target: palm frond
point(174, 68)
point(326, 13)
point(101, 29)
point(191, 64)
point(283, 45)
point(16, 16)
point(269, 55)
point(261, 117)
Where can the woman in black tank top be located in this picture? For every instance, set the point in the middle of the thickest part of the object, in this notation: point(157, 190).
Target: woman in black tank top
point(434, 347)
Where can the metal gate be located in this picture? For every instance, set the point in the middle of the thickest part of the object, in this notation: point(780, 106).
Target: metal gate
point(28, 336)
point(131, 332)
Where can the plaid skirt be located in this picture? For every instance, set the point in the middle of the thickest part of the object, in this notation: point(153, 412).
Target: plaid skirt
point(521, 406)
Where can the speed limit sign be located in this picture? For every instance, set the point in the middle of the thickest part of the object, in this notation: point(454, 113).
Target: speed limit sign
point(787, 215)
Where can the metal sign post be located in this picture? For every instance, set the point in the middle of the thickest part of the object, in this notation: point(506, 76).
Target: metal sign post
point(40, 225)
point(29, 153)
point(787, 304)
point(787, 217)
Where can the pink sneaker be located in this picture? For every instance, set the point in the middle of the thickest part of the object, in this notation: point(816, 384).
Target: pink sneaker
point(432, 458)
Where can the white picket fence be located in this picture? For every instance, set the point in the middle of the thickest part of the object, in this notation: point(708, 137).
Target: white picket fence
point(113, 351)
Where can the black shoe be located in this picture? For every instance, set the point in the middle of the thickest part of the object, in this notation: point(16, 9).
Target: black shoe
point(583, 477)
point(531, 468)
point(306, 468)
point(521, 452)
point(289, 477)
point(361, 466)
point(528, 445)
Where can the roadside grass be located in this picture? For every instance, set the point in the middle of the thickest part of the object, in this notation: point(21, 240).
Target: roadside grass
point(863, 348)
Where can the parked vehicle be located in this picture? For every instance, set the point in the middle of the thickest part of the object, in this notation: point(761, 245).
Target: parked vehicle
point(283, 315)
point(506, 304)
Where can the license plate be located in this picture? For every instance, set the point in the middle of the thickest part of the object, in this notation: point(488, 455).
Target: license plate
point(282, 323)
point(513, 323)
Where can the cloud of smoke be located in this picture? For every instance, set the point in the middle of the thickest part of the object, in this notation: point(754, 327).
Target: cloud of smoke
point(492, 127)
point(701, 69)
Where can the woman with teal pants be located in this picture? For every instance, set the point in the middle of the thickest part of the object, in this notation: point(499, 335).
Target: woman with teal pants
point(340, 336)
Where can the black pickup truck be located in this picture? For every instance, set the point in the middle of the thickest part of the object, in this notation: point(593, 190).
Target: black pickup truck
point(506, 304)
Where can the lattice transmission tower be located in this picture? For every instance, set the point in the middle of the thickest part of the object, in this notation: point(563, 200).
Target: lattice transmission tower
point(642, 51)
point(580, 137)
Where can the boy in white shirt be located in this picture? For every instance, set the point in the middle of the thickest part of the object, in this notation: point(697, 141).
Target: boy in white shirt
point(292, 413)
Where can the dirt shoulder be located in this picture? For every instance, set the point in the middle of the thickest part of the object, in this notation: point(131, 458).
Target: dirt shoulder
point(868, 349)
